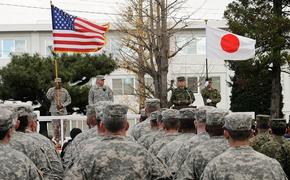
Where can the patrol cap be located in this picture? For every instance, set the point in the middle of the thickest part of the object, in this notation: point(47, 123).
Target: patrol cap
point(115, 112)
point(170, 114)
point(181, 78)
point(155, 115)
point(238, 122)
point(262, 119)
point(216, 116)
point(100, 106)
point(90, 110)
point(100, 77)
point(278, 123)
point(57, 80)
point(24, 110)
point(152, 103)
point(187, 113)
point(6, 119)
point(201, 115)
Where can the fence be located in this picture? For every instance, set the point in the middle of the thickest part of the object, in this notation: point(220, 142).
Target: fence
point(132, 118)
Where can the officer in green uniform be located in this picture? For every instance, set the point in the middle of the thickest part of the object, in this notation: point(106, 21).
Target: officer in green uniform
point(210, 95)
point(181, 96)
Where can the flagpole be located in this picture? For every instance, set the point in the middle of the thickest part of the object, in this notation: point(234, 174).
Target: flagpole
point(206, 61)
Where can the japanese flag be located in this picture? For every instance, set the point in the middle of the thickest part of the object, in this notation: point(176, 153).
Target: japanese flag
point(223, 45)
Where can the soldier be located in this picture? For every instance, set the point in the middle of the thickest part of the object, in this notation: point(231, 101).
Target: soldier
point(240, 161)
point(170, 119)
point(199, 156)
point(143, 128)
point(115, 157)
point(100, 92)
point(278, 147)
point(210, 95)
point(263, 128)
point(187, 118)
point(181, 153)
point(60, 99)
point(181, 97)
point(157, 130)
point(14, 164)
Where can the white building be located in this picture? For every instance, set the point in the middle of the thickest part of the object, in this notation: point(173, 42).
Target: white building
point(190, 62)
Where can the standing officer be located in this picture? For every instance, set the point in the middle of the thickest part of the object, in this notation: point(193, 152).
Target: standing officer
point(181, 97)
point(59, 98)
point(100, 92)
point(210, 95)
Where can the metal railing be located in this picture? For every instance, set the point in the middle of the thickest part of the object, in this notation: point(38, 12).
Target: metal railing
point(132, 118)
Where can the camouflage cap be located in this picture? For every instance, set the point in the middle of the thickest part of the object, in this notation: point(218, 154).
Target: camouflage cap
point(216, 116)
point(181, 78)
point(170, 114)
point(278, 123)
point(6, 119)
point(152, 103)
point(100, 106)
point(90, 110)
point(155, 115)
point(187, 113)
point(238, 122)
point(57, 80)
point(207, 108)
point(262, 119)
point(115, 111)
point(24, 110)
point(201, 115)
point(100, 77)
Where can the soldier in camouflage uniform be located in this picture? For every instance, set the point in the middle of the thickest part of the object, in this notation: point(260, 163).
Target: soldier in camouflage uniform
point(187, 118)
point(114, 157)
point(181, 153)
point(143, 127)
point(93, 121)
point(60, 99)
point(170, 119)
point(100, 92)
point(263, 136)
point(181, 97)
point(46, 144)
point(210, 95)
point(240, 161)
point(278, 147)
point(156, 133)
point(199, 156)
point(14, 164)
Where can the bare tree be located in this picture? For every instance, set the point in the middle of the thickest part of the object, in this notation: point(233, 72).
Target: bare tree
point(147, 27)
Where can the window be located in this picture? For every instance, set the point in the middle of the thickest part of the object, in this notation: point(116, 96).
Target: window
point(8, 46)
point(123, 86)
point(216, 83)
point(196, 46)
point(192, 84)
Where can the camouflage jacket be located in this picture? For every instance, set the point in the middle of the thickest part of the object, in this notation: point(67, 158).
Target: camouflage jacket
point(97, 94)
point(158, 145)
point(24, 143)
point(258, 141)
point(279, 149)
point(138, 130)
point(64, 99)
point(182, 97)
point(116, 158)
point(150, 138)
point(181, 154)
point(16, 166)
point(243, 163)
point(213, 94)
point(198, 157)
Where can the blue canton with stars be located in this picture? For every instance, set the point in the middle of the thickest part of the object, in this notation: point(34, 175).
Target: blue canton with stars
point(62, 20)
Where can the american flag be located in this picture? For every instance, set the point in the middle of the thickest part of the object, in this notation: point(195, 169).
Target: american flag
point(75, 34)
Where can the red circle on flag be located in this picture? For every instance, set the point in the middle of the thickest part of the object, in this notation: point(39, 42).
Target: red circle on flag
point(230, 43)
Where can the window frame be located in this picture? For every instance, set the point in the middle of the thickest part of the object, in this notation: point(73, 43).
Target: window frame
point(14, 46)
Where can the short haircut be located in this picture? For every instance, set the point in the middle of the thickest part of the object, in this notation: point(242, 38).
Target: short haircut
point(279, 131)
point(172, 123)
point(262, 126)
point(240, 135)
point(23, 123)
point(3, 134)
point(115, 124)
point(215, 130)
point(186, 124)
point(74, 132)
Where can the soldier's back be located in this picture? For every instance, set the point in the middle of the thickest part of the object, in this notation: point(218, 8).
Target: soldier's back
point(115, 157)
point(150, 138)
point(159, 144)
point(16, 166)
point(258, 141)
point(243, 163)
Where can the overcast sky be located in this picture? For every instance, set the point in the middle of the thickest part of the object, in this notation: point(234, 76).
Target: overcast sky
point(102, 11)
